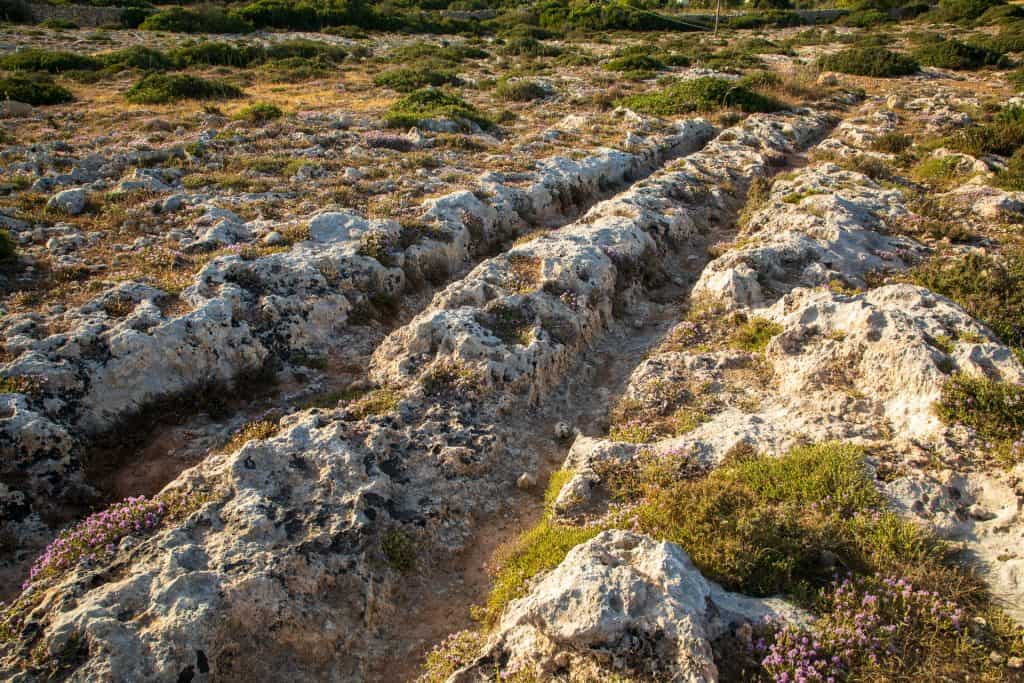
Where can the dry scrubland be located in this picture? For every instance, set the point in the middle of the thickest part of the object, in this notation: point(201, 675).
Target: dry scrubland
point(378, 343)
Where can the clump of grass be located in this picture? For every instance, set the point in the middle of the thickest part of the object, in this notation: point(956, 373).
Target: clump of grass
point(864, 61)
point(259, 113)
point(407, 79)
point(760, 526)
point(703, 94)
point(1004, 135)
point(952, 54)
point(540, 549)
point(520, 90)
point(989, 288)
point(35, 91)
point(399, 549)
point(377, 402)
point(429, 103)
point(168, 88)
point(1012, 177)
point(454, 652)
point(754, 335)
point(634, 63)
point(995, 410)
point(256, 430)
point(892, 143)
point(941, 172)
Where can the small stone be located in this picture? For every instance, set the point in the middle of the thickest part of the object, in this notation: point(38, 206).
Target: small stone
point(563, 432)
point(70, 202)
point(995, 657)
point(272, 238)
point(526, 481)
point(979, 513)
point(1015, 662)
point(828, 79)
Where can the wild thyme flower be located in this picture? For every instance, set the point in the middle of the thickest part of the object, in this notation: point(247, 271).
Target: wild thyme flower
point(96, 537)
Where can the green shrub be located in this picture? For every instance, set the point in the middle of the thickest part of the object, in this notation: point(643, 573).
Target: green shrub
point(952, 54)
point(994, 409)
point(259, 112)
point(132, 17)
point(214, 53)
point(399, 550)
point(296, 69)
point(15, 11)
point(1004, 135)
point(1017, 80)
point(166, 88)
point(429, 103)
point(53, 62)
point(703, 94)
point(776, 18)
point(407, 79)
point(59, 24)
point(990, 289)
point(761, 526)
point(962, 11)
point(529, 47)
point(306, 49)
point(941, 172)
point(520, 90)
point(865, 18)
point(429, 52)
point(1012, 177)
point(892, 143)
point(136, 57)
point(35, 91)
point(200, 20)
point(8, 250)
point(634, 63)
point(878, 63)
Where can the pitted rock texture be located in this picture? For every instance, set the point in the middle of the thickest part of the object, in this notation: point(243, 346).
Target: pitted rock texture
point(519, 318)
point(621, 602)
point(127, 349)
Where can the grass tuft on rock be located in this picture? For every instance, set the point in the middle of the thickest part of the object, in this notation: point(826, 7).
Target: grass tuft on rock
point(168, 88)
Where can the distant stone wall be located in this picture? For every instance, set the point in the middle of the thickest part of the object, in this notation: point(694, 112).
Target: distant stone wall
point(82, 15)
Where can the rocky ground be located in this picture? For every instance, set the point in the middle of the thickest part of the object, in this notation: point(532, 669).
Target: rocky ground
point(547, 385)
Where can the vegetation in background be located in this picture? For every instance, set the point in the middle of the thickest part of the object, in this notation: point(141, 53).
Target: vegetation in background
point(704, 94)
point(167, 88)
point(864, 61)
point(429, 103)
point(36, 91)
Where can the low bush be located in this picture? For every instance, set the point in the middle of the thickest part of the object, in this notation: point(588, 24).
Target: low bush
point(703, 94)
point(962, 11)
point(952, 54)
point(136, 57)
point(214, 53)
point(1012, 177)
point(529, 47)
point(8, 249)
point(35, 91)
point(776, 18)
point(892, 143)
point(634, 63)
point(296, 69)
point(305, 49)
point(407, 79)
point(1004, 135)
point(259, 112)
point(200, 20)
point(429, 103)
point(520, 90)
point(419, 52)
point(877, 63)
point(167, 88)
point(990, 289)
point(995, 410)
point(54, 62)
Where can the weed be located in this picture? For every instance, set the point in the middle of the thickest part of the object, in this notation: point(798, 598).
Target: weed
point(520, 90)
point(754, 335)
point(429, 103)
point(407, 79)
point(259, 113)
point(993, 409)
point(399, 549)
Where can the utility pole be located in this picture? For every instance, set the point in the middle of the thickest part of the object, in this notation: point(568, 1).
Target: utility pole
point(718, 12)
